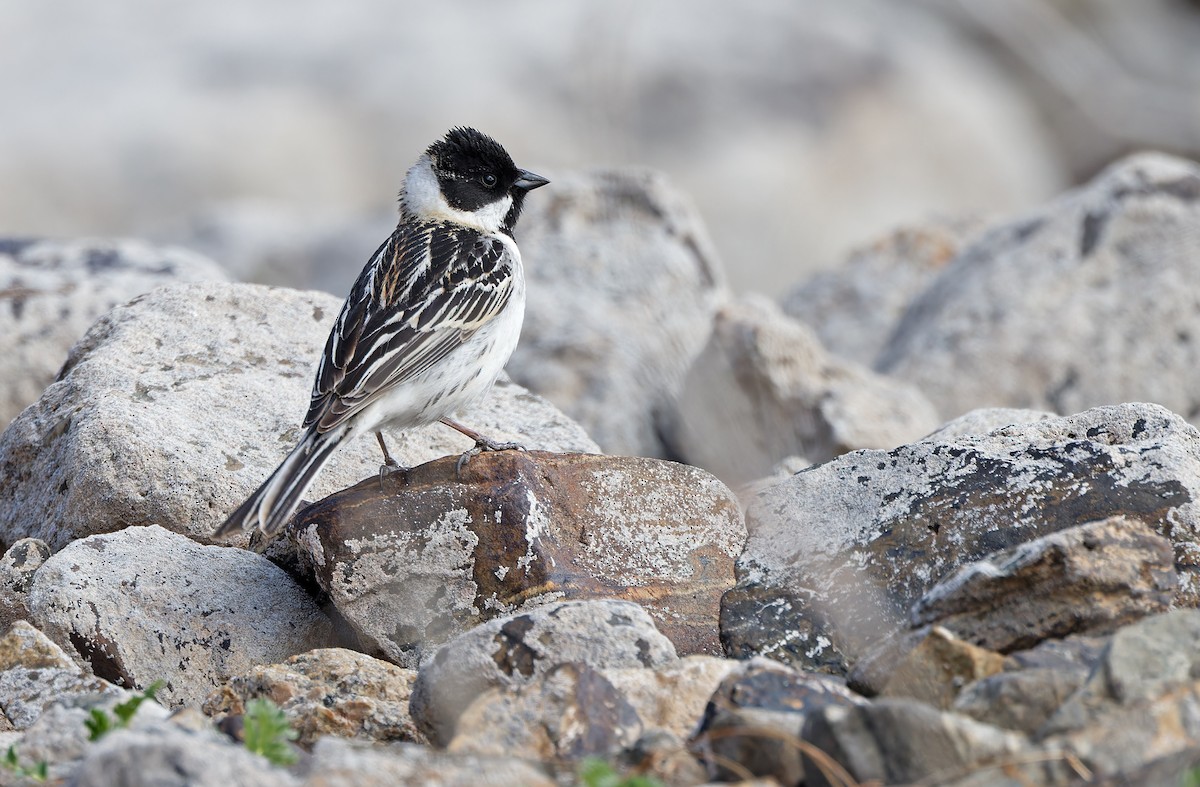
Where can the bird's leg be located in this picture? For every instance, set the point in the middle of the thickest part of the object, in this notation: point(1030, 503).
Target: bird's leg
point(389, 465)
point(481, 443)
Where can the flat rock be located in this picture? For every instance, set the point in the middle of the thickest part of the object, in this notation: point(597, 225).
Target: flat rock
point(146, 604)
point(424, 555)
point(54, 290)
point(1046, 311)
point(837, 554)
point(117, 441)
point(763, 389)
point(330, 691)
point(1091, 578)
point(623, 282)
point(512, 651)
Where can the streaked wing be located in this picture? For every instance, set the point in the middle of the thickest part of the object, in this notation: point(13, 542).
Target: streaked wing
point(426, 291)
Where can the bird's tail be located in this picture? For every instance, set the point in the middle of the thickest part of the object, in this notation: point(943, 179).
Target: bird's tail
point(276, 500)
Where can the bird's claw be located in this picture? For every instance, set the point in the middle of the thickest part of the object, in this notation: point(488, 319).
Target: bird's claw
point(388, 467)
point(481, 445)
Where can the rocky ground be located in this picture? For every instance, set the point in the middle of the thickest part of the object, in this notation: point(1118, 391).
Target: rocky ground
point(930, 517)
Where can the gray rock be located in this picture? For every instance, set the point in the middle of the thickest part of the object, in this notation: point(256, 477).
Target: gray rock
point(764, 389)
point(986, 420)
point(854, 306)
point(118, 440)
point(623, 283)
point(903, 741)
point(1091, 578)
point(1021, 700)
point(426, 554)
point(1045, 311)
point(512, 651)
point(836, 554)
point(166, 755)
point(569, 712)
point(342, 763)
point(146, 604)
point(17, 568)
point(35, 672)
point(54, 290)
point(757, 714)
point(1143, 662)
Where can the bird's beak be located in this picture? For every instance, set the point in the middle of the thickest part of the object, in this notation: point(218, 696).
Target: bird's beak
point(529, 181)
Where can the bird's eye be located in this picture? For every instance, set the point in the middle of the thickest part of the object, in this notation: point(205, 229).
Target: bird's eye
point(489, 180)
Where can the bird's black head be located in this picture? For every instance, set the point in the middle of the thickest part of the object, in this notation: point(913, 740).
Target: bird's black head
point(475, 171)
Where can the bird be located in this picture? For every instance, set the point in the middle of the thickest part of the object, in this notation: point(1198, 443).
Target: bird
point(428, 325)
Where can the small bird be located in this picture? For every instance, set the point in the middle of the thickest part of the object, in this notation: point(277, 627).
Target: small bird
point(428, 325)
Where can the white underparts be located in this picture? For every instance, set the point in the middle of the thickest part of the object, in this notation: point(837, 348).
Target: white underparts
point(423, 199)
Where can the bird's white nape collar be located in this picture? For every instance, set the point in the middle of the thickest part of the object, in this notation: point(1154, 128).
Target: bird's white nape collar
point(423, 198)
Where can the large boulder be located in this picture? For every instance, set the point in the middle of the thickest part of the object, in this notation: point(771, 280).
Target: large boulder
point(837, 554)
point(175, 407)
point(54, 290)
point(1056, 309)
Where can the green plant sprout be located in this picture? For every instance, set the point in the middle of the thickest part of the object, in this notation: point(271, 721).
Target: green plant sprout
point(265, 731)
point(101, 723)
point(38, 773)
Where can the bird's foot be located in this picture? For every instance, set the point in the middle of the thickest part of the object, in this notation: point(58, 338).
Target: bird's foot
point(390, 467)
point(484, 444)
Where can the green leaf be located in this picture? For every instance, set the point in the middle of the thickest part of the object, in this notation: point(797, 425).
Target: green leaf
point(126, 710)
point(10, 758)
point(99, 724)
point(266, 732)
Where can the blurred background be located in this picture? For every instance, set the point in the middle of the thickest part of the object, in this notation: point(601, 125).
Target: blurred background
point(274, 135)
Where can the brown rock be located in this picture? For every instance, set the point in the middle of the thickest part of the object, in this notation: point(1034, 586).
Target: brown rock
point(938, 668)
point(331, 691)
point(423, 555)
point(1089, 578)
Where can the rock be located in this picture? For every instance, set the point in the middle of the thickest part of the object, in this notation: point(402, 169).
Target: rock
point(902, 741)
point(35, 672)
point(331, 691)
point(513, 651)
point(166, 754)
point(755, 717)
point(146, 604)
point(1172, 770)
point(341, 763)
point(1143, 661)
point(937, 669)
point(17, 567)
point(1021, 700)
point(424, 555)
point(854, 306)
point(672, 697)
point(569, 712)
point(623, 283)
point(573, 711)
point(117, 440)
point(1043, 312)
point(836, 554)
point(1091, 578)
point(986, 420)
point(764, 389)
point(54, 290)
